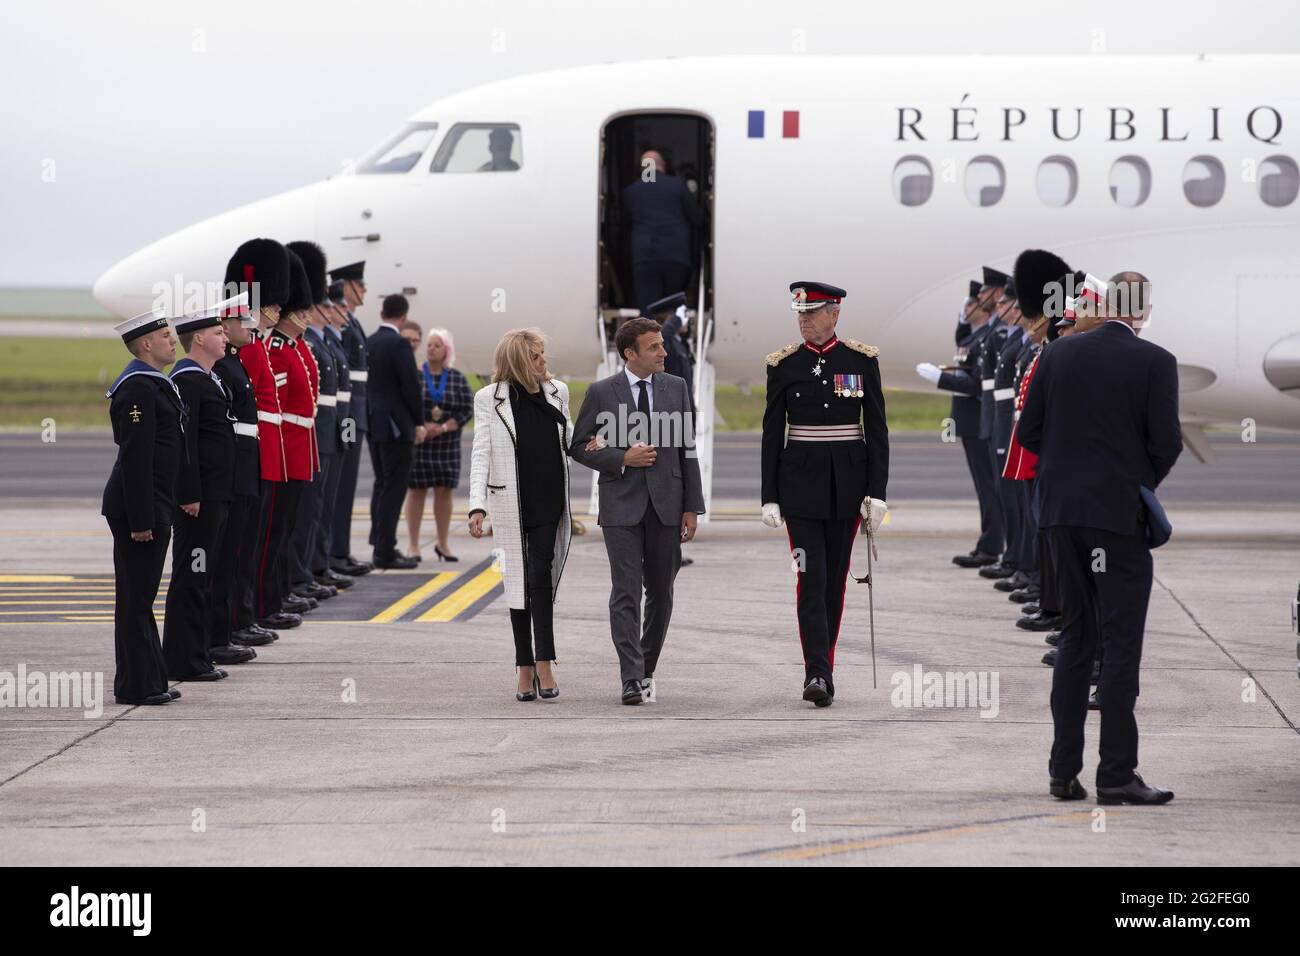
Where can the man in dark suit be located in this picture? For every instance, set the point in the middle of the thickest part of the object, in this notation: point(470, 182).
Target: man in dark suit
point(662, 212)
point(1102, 414)
point(649, 502)
point(396, 410)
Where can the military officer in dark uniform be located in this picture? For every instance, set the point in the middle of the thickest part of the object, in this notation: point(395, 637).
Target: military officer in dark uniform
point(335, 318)
point(679, 360)
point(963, 379)
point(1002, 399)
point(353, 289)
point(829, 472)
point(204, 488)
point(148, 418)
point(232, 620)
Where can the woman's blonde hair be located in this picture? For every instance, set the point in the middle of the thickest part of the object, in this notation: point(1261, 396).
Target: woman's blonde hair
point(513, 361)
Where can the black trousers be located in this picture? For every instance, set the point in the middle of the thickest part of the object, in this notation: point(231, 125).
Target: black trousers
point(307, 526)
point(278, 509)
point(349, 469)
point(233, 571)
point(820, 549)
point(655, 280)
point(539, 555)
point(187, 627)
point(981, 472)
point(393, 468)
point(331, 478)
point(1101, 608)
point(1007, 504)
point(1027, 559)
point(137, 572)
point(247, 570)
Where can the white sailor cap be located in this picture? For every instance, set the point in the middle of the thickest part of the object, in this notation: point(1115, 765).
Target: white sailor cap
point(141, 324)
point(236, 307)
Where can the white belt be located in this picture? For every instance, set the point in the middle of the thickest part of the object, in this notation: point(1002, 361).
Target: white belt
point(825, 433)
point(298, 420)
point(360, 376)
point(987, 383)
point(329, 401)
point(1002, 394)
point(345, 396)
point(246, 429)
point(272, 417)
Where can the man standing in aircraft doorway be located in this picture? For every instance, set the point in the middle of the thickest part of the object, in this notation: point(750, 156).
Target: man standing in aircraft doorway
point(828, 473)
point(662, 212)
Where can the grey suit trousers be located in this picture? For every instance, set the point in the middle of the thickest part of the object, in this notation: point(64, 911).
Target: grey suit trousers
point(646, 555)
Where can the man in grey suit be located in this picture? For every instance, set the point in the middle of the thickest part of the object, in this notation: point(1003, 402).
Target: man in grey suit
point(649, 502)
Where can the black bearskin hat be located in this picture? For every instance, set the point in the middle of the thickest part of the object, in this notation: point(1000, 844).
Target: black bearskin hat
point(299, 299)
point(313, 260)
point(1036, 269)
point(265, 262)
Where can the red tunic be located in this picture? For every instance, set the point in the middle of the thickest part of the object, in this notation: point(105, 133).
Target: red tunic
point(269, 440)
point(1022, 464)
point(297, 403)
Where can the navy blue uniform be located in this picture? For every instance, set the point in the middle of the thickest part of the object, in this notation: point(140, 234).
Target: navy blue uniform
point(232, 579)
point(661, 213)
point(147, 416)
point(837, 454)
point(965, 382)
point(354, 344)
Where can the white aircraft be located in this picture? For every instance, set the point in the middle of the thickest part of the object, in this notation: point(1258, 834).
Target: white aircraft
point(896, 178)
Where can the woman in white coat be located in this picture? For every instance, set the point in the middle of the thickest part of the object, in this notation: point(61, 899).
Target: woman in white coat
point(521, 431)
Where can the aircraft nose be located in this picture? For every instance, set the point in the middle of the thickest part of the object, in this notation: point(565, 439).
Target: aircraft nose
point(189, 266)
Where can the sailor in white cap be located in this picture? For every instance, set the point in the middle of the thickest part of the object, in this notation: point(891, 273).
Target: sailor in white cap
point(148, 419)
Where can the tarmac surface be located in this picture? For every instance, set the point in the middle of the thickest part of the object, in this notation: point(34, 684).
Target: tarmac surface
point(385, 730)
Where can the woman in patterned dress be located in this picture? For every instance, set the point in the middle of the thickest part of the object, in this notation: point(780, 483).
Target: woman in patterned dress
point(448, 407)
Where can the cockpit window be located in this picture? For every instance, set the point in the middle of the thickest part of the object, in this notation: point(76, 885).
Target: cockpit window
point(480, 148)
point(400, 153)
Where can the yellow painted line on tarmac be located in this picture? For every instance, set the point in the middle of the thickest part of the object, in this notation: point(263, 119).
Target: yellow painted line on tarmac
point(36, 578)
point(465, 595)
point(52, 592)
point(60, 601)
point(425, 590)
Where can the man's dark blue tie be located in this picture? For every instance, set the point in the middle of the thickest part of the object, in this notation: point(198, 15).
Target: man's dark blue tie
point(643, 400)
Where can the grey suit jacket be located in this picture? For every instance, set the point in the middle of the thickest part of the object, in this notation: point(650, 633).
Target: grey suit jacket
point(672, 483)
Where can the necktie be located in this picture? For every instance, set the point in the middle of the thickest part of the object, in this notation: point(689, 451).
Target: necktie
point(643, 400)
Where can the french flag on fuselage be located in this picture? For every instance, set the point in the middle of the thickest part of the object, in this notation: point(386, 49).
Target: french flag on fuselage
point(789, 124)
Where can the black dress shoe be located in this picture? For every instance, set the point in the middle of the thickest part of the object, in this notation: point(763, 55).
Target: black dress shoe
point(264, 631)
point(174, 693)
point(633, 692)
point(1053, 638)
point(351, 567)
point(1023, 595)
point(332, 578)
point(687, 562)
point(1135, 792)
point(298, 605)
point(397, 562)
point(818, 692)
point(215, 674)
point(1031, 607)
point(1070, 789)
point(1093, 702)
point(319, 592)
point(1040, 622)
point(1013, 583)
point(152, 700)
point(995, 571)
point(252, 638)
point(280, 621)
point(975, 559)
point(232, 654)
point(1050, 658)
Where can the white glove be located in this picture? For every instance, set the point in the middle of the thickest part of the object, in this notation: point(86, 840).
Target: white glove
point(928, 372)
point(873, 512)
point(772, 514)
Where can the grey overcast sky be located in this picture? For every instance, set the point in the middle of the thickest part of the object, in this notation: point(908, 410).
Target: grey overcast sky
point(121, 122)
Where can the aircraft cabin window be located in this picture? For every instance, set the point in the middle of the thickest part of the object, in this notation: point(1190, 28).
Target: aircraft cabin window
point(480, 148)
point(1203, 181)
point(986, 180)
point(1130, 181)
point(1279, 180)
point(400, 153)
point(913, 180)
point(1058, 181)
